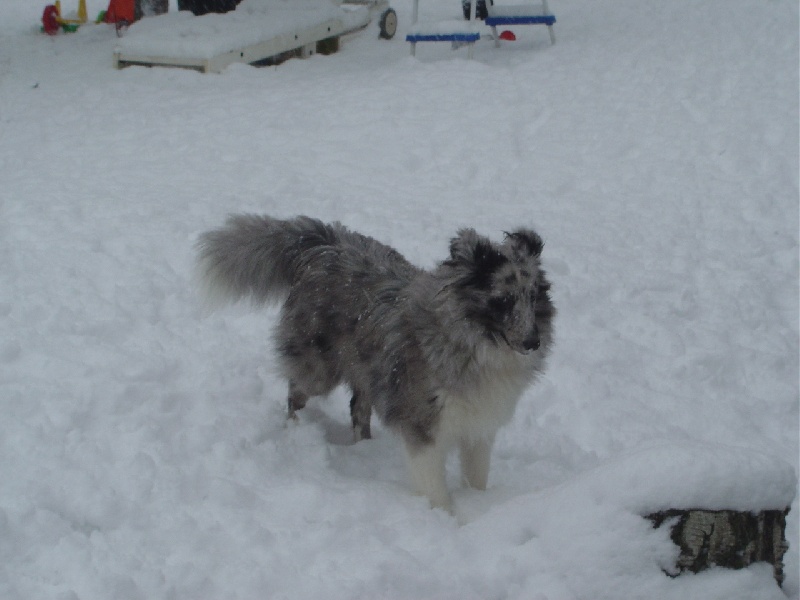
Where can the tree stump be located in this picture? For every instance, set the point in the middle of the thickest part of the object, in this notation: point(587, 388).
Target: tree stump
point(725, 538)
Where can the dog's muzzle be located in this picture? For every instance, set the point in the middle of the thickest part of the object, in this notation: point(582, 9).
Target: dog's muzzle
point(531, 342)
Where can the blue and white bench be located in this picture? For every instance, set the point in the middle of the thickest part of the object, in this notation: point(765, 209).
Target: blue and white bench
point(460, 32)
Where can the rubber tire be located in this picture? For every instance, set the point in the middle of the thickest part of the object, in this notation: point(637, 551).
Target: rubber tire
point(388, 24)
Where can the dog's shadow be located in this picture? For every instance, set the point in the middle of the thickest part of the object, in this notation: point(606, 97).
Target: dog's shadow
point(378, 461)
point(336, 431)
point(375, 459)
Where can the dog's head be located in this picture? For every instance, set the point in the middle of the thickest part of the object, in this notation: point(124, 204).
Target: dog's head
point(501, 287)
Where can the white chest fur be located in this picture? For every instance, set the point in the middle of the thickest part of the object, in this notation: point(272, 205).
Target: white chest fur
point(476, 408)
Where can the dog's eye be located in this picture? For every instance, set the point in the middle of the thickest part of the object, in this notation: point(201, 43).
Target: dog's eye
point(503, 304)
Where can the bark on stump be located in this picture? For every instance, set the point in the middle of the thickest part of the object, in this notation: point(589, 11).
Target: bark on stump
point(725, 538)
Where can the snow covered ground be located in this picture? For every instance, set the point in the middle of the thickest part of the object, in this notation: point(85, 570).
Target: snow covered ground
point(143, 450)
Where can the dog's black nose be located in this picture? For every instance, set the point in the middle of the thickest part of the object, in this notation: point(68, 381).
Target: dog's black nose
point(531, 342)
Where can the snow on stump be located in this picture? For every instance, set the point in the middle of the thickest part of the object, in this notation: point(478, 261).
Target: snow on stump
point(725, 538)
point(724, 506)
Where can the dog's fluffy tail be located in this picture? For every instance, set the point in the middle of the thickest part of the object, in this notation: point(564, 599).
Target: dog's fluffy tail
point(256, 257)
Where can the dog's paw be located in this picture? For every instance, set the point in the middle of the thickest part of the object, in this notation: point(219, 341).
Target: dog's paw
point(292, 420)
point(443, 502)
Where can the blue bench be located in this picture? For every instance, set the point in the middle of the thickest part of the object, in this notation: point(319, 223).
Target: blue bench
point(524, 14)
point(443, 33)
point(464, 32)
point(521, 20)
point(466, 38)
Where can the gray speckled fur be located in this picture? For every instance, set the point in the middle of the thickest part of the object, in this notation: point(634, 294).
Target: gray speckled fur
point(442, 356)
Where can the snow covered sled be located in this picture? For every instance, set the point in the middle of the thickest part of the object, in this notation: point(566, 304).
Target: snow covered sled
point(257, 31)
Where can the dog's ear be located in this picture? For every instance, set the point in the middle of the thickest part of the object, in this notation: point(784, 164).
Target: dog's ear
point(462, 245)
point(525, 242)
point(477, 256)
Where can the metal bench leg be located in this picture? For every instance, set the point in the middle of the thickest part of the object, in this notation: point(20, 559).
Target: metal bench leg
point(496, 37)
point(546, 8)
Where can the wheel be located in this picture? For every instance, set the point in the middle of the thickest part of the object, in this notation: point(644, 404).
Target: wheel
point(388, 24)
point(480, 10)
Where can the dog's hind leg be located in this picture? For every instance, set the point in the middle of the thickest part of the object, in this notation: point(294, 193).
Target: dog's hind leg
point(297, 400)
point(360, 413)
point(475, 457)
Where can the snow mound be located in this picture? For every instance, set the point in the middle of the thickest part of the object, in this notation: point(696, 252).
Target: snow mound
point(691, 475)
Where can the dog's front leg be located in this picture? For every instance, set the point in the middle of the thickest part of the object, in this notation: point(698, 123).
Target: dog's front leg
point(360, 414)
point(427, 466)
point(475, 458)
point(297, 400)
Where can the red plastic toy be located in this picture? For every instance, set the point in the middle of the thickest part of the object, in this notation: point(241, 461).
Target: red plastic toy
point(50, 20)
point(120, 11)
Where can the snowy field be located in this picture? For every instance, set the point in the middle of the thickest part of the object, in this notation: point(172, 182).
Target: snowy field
point(143, 448)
